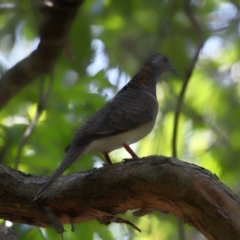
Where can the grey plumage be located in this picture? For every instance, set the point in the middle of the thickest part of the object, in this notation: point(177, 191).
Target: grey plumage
point(126, 119)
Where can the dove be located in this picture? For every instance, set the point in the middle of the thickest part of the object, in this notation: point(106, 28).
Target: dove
point(124, 120)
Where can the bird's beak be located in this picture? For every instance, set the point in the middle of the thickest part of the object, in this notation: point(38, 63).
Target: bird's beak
point(172, 70)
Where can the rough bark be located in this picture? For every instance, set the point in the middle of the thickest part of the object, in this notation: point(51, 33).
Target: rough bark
point(191, 193)
point(53, 33)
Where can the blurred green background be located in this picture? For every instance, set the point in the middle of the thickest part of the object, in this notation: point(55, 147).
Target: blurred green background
point(108, 43)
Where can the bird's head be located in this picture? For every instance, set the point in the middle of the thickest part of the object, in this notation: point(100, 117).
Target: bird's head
point(148, 75)
point(161, 64)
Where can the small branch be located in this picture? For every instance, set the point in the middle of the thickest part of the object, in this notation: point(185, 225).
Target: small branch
point(191, 193)
point(109, 218)
point(41, 106)
point(53, 34)
point(189, 72)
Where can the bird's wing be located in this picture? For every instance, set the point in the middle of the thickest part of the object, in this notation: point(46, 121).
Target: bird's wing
point(125, 112)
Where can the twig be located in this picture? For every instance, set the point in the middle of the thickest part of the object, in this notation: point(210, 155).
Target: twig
point(41, 106)
point(189, 72)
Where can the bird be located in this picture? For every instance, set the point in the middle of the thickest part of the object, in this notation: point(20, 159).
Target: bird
point(124, 120)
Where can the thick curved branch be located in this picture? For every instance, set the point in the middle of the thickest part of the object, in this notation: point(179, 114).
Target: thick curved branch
point(191, 193)
point(53, 33)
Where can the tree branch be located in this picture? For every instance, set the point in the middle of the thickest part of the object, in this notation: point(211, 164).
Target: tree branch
point(191, 193)
point(54, 28)
point(189, 72)
point(40, 108)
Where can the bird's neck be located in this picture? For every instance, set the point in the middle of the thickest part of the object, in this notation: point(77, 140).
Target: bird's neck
point(145, 79)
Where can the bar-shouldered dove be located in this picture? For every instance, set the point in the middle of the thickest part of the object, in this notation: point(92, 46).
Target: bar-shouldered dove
point(124, 120)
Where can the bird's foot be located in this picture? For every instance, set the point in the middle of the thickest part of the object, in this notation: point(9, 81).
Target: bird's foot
point(107, 158)
point(130, 151)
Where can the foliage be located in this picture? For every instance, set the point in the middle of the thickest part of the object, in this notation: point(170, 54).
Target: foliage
point(107, 44)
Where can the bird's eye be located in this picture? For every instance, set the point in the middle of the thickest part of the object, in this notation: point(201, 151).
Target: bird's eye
point(165, 59)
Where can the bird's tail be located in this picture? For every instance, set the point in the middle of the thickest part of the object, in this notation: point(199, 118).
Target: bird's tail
point(72, 155)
